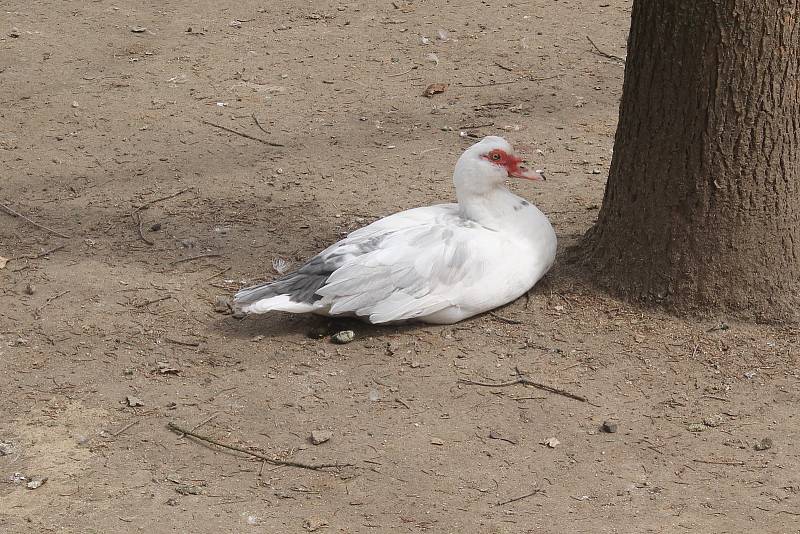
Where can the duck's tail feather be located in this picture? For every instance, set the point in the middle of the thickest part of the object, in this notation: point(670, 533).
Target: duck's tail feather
point(294, 293)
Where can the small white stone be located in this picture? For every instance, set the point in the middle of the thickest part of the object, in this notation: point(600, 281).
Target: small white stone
point(551, 442)
point(320, 436)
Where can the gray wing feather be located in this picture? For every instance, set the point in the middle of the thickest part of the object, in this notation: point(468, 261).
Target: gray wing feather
point(302, 284)
point(398, 268)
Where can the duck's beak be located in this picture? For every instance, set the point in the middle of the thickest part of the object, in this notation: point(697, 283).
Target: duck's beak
point(517, 170)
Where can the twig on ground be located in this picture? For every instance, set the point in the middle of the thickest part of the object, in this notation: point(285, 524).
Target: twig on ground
point(41, 254)
point(149, 302)
point(509, 69)
point(554, 76)
point(13, 213)
point(719, 462)
point(223, 271)
point(204, 421)
point(524, 380)
point(491, 84)
point(255, 119)
point(723, 399)
point(396, 74)
point(192, 258)
point(137, 219)
point(508, 82)
point(515, 499)
point(124, 428)
point(476, 126)
point(183, 343)
point(505, 319)
point(242, 134)
point(38, 310)
point(161, 199)
point(273, 461)
point(604, 54)
point(261, 469)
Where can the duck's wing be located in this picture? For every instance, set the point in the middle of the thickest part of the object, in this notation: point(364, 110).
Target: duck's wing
point(385, 240)
point(410, 271)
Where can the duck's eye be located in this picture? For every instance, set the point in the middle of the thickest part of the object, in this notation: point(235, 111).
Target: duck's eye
point(495, 156)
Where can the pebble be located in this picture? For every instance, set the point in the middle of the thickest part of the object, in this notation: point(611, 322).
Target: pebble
point(763, 445)
point(6, 448)
point(188, 489)
point(343, 337)
point(223, 305)
point(155, 227)
point(713, 420)
point(30, 289)
point(35, 482)
point(313, 524)
point(134, 401)
point(320, 436)
point(165, 368)
point(696, 427)
point(15, 33)
point(551, 442)
point(609, 427)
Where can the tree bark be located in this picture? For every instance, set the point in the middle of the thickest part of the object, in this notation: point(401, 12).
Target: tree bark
point(702, 205)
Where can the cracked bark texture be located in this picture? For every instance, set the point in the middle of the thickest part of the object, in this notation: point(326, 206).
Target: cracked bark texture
point(702, 205)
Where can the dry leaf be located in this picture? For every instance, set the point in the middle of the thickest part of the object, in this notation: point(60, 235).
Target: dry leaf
point(435, 88)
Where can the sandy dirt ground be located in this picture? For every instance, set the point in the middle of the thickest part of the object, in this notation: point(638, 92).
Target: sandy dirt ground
point(111, 325)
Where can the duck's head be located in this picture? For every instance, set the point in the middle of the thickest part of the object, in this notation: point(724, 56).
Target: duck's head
point(487, 164)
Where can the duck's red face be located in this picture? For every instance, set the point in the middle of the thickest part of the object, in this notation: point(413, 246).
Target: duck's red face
point(512, 165)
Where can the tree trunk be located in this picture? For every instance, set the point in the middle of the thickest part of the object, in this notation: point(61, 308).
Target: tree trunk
point(702, 206)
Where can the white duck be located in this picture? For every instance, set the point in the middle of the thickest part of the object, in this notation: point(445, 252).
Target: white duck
point(436, 264)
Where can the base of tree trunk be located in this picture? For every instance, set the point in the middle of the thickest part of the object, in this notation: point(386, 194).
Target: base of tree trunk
point(701, 211)
point(638, 283)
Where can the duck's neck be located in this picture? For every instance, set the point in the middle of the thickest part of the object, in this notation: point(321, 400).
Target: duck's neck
point(497, 208)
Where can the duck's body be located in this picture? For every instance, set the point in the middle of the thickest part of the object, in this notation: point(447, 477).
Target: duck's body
point(436, 264)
